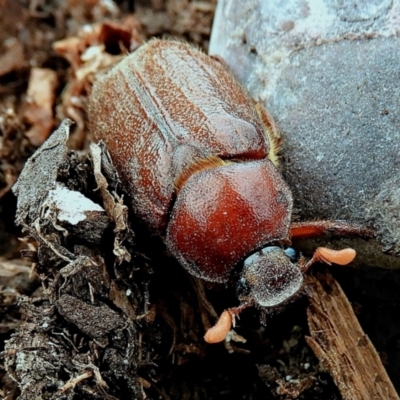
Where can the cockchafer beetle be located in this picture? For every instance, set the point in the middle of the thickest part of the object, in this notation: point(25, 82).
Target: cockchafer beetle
point(198, 160)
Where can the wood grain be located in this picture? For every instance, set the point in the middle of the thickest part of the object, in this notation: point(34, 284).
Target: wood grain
point(342, 347)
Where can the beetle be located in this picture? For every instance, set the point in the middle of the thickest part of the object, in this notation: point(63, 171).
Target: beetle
point(198, 160)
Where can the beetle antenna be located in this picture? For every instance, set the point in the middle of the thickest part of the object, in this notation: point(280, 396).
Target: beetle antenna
point(328, 256)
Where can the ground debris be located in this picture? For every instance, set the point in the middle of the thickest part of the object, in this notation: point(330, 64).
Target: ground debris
point(83, 316)
point(14, 148)
point(295, 375)
point(187, 19)
point(12, 57)
point(103, 320)
point(95, 49)
point(113, 204)
point(41, 97)
point(40, 359)
point(44, 164)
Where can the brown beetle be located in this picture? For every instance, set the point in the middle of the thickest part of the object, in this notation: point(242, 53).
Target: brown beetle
point(197, 158)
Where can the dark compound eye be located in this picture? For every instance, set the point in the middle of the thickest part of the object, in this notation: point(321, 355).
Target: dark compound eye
point(292, 253)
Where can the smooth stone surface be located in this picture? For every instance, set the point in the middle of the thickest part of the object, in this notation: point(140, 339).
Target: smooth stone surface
point(329, 73)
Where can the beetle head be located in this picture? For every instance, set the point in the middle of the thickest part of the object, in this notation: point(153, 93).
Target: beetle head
point(270, 277)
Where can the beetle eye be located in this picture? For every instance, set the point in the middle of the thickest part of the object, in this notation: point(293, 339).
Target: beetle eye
point(271, 277)
point(292, 253)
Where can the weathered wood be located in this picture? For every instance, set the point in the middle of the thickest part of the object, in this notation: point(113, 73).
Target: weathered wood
point(343, 348)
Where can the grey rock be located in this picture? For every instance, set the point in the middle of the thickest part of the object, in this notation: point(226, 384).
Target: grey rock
point(329, 73)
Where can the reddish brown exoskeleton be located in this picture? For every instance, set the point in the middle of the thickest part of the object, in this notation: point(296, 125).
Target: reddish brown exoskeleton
point(197, 158)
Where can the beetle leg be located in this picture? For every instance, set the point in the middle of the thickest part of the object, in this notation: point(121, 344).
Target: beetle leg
point(305, 230)
point(328, 256)
point(235, 311)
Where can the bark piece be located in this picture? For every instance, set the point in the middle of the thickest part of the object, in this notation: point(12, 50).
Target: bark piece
point(45, 163)
point(113, 204)
point(343, 348)
point(94, 321)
